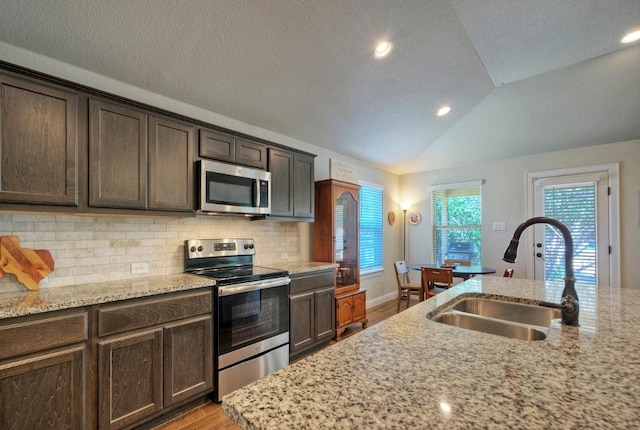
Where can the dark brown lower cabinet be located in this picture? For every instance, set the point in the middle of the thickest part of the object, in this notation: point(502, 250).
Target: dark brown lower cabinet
point(130, 378)
point(312, 313)
point(43, 368)
point(188, 361)
point(153, 355)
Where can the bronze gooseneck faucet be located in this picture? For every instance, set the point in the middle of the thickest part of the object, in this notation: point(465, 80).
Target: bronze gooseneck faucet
point(569, 305)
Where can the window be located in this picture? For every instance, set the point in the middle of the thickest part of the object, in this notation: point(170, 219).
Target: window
point(457, 221)
point(370, 228)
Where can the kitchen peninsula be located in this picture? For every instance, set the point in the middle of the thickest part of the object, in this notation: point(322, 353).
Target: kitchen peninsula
point(411, 372)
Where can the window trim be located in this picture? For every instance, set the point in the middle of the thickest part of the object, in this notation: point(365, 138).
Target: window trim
point(452, 186)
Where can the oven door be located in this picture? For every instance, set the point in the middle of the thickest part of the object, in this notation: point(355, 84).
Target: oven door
point(251, 312)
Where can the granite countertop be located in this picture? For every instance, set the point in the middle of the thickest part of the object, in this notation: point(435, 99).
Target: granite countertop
point(409, 372)
point(298, 267)
point(27, 302)
point(15, 304)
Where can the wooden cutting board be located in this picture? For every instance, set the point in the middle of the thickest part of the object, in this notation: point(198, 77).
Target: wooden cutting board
point(29, 266)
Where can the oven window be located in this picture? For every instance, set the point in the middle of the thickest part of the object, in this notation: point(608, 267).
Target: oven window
point(249, 317)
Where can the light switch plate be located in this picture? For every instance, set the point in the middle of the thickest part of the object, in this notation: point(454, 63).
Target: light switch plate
point(499, 226)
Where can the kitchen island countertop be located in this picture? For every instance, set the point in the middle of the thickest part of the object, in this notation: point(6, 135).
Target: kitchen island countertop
point(410, 372)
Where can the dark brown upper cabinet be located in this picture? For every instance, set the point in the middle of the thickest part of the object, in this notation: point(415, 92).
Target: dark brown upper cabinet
point(139, 160)
point(224, 147)
point(171, 164)
point(38, 142)
point(117, 156)
point(292, 184)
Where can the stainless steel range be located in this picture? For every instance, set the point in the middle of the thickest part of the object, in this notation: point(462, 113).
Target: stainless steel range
point(251, 311)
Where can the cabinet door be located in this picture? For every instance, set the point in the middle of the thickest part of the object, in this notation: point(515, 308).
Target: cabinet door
point(188, 359)
point(325, 316)
point(359, 306)
point(281, 168)
point(44, 392)
point(217, 146)
point(129, 378)
point(344, 311)
point(303, 186)
point(117, 156)
point(251, 154)
point(170, 164)
point(39, 143)
point(302, 321)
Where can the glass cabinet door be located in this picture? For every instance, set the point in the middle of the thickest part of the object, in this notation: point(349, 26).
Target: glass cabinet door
point(346, 234)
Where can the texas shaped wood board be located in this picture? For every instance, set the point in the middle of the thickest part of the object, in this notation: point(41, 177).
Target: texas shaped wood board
point(29, 266)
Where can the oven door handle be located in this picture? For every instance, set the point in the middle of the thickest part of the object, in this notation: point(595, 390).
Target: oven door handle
point(246, 287)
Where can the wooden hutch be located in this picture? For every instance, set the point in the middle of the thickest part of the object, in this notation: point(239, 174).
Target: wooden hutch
point(336, 240)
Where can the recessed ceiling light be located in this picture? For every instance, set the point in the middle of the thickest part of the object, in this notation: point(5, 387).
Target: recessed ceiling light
point(444, 110)
point(631, 37)
point(383, 49)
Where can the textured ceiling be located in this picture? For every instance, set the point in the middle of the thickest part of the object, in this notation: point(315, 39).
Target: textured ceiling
point(522, 76)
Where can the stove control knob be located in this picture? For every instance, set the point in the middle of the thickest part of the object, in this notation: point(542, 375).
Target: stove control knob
point(246, 246)
point(251, 246)
point(192, 249)
point(200, 248)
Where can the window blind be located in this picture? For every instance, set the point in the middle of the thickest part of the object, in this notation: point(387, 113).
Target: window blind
point(371, 222)
point(574, 205)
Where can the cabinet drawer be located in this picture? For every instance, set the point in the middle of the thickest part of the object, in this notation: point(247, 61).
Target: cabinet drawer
point(42, 334)
point(148, 312)
point(311, 282)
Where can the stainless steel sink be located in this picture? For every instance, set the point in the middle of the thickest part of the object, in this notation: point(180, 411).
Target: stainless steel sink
point(491, 326)
point(513, 320)
point(509, 311)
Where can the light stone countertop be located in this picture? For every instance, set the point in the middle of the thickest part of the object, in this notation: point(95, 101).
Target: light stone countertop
point(15, 304)
point(409, 372)
point(28, 302)
point(301, 267)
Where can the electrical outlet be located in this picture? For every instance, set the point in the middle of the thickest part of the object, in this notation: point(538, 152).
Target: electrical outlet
point(499, 226)
point(138, 268)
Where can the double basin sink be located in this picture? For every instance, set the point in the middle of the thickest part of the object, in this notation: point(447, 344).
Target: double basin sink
point(510, 319)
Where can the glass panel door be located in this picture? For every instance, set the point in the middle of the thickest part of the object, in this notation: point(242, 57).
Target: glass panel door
point(346, 244)
point(580, 202)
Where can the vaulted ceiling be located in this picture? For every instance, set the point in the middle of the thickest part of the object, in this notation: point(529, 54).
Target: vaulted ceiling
point(522, 76)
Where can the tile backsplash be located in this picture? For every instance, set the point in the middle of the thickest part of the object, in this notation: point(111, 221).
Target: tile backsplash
point(89, 249)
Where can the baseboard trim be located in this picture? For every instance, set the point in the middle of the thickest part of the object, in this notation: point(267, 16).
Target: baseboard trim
point(381, 299)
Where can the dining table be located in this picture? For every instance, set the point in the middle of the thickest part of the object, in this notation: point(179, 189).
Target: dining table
point(459, 271)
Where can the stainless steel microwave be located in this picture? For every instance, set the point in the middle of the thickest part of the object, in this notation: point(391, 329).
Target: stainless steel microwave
point(227, 188)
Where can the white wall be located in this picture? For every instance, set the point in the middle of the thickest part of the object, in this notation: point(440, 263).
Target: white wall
point(504, 198)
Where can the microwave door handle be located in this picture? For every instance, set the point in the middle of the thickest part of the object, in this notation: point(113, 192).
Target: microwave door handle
point(256, 190)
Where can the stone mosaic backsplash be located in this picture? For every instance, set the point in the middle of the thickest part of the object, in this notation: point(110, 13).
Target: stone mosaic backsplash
point(89, 249)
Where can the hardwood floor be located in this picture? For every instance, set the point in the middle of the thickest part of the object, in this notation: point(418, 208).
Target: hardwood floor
point(209, 416)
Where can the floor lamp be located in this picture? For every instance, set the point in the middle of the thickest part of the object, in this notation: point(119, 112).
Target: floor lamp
point(404, 208)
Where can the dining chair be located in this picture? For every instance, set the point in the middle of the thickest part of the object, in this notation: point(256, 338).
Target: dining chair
point(435, 280)
point(508, 273)
point(405, 286)
point(459, 262)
